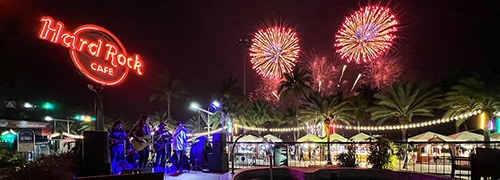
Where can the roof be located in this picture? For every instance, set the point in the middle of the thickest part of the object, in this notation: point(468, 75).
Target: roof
point(360, 137)
point(310, 138)
point(336, 138)
point(424, 137)
point(467, 136)
point(273, 138)
point(249, 138)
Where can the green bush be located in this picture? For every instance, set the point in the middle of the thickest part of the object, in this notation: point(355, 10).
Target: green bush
point(347, 159)
point(60, 167)
point(381, 154)
point(9, 158)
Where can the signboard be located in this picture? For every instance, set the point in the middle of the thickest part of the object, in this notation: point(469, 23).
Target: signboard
point(26, 140)
point(9, 104)
point(280, 155)
point(95, 51)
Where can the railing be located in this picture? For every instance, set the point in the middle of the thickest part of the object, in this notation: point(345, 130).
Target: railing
point(425, 157)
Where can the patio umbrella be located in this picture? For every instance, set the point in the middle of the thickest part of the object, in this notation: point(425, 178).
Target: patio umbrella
point(336, 138)
point(310, 138)
point(425, 137)
point(249, 138)
point(273, 138)
point(467, 136)
point(495, 137)
point(360, 137)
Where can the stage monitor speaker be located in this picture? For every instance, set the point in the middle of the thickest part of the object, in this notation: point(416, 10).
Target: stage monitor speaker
point(218, 162)
point(95, 147)
point(219, 143)
point(97, 169)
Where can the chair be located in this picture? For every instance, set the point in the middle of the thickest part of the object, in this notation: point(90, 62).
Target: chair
point(483, 163)
point(456, 162)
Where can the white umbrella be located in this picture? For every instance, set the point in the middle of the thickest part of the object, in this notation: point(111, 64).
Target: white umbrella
point(360, 137)
point(310, 138)
point(273, 138)
point(467, 136)
point(249, 138)
point(425, 137)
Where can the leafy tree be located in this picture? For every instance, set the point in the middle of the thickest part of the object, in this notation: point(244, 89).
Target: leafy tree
point(298, 82)
point(469, 95)
point(381, 154)
point(258, 113)
point(323, 109)
point(162, 117)
point(167, 89)
point(195, 124)
point(402, 101)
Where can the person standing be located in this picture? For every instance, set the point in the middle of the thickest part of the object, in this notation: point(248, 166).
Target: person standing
point(141, 129)
point(162, 146)
point(180, 144)
point(116, 137)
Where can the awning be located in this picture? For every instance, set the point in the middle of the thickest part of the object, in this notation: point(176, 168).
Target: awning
point(336, 138)
point(432, 136)
point(272, 138)
point(467, 136)
point(310, 138)
point(360, 137)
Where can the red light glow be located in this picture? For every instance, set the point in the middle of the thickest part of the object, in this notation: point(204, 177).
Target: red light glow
point(85, 49)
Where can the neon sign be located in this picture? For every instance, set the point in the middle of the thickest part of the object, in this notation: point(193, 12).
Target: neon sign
point(95, 51)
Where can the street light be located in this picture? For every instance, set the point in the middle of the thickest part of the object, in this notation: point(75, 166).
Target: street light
point(215, 106)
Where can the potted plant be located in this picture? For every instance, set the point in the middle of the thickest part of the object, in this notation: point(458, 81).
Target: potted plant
point(348, 157)
point(381, 154)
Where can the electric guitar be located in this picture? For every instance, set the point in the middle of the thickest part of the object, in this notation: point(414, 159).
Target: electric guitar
point(141, 143)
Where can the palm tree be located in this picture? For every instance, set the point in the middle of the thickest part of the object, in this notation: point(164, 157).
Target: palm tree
point(162, 117)
point(195, 124)
point(469, 95)
point(167, 89)
point(291, 115)
point(325, 109)
point(359, 103)
point(402, 101)
point(230, 97)
point(297, 82)
point(258, 113)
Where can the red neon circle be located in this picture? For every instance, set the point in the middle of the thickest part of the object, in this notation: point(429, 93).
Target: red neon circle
point(76, 61)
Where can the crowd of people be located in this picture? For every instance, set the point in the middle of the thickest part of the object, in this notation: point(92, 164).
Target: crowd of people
point(133, 149)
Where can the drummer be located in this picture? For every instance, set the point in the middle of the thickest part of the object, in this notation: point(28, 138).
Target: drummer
point(163, 139)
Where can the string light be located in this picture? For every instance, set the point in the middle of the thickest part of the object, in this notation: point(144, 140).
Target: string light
point(205, 133)
point(368, 128)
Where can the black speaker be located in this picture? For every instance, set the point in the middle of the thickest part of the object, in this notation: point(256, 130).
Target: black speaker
point(95, 147)
point(97, 169)
point(218, 162)
point(219, 143)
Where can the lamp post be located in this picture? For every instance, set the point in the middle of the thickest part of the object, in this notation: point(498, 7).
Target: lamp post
point(98, 106)
point(245, 44)
point(215, 105)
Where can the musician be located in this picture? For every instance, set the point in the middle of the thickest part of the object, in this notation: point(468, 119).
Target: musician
point(162, 146)
point(180, 144)
point(141, 129)
point(116, 137)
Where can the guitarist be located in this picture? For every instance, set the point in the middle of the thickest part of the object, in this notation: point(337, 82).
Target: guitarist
point(180, 144)
point(141, 129)
point(116, 137)
point(162, 146)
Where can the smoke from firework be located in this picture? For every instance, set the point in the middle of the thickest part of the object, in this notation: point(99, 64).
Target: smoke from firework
point(324, 72)
point(384, 71)
point(267, 90)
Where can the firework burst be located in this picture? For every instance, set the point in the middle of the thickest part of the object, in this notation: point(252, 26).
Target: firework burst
point(274, 51)
point(384, 71)
point(267, 90)
point(367, 34)
point(324, 72)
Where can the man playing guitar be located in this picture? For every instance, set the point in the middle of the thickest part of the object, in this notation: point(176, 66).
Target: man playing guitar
point(163, 138)
point(138, 132)
point(117, 137)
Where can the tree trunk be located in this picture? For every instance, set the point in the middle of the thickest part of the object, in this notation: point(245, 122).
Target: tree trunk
point(168, 108)
point(403, 132)
point(358, 126)
point(329, 159)
point(465, 126)
point(457, 128)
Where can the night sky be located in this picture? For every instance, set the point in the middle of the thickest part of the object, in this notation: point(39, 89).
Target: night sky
point(194, 41)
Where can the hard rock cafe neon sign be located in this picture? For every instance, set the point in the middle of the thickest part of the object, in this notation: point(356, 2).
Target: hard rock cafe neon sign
point(95, 51)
